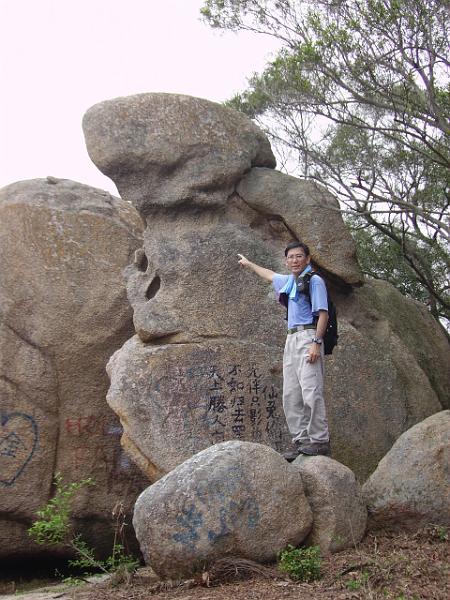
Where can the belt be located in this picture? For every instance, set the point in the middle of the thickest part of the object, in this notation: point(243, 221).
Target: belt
point(301, 328)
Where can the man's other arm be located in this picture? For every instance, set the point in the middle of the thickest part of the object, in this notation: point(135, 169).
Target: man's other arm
point(322, 323)
point(262, 272)
point(314, 350)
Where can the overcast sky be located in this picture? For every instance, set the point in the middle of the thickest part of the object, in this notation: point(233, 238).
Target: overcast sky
point(59, 57)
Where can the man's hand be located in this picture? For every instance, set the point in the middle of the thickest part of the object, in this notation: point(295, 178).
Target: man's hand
point(266, 274)
point(313, 353)
point(244, 262)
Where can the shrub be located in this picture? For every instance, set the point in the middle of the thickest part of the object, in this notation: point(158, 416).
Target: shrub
point(53, 527)
point(301, 564)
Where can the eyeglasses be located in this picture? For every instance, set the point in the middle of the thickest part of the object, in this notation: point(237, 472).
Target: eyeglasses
point(295, 256)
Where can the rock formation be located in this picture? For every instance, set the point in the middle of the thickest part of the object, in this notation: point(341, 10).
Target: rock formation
point(339, 510)
point(200, 394)
point(204, 366)
point(232, 499)
point(410, 487)
point(166, 149)
point(63, 312)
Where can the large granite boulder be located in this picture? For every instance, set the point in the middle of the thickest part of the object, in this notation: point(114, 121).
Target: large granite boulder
point(411, 485)
point(389, 371)
point(63, 312)
point(335, 497)
point(170, 149)
point(233, 499)
point(181, 398)
point(391, 368)
point(310, 213)
point(407, 324)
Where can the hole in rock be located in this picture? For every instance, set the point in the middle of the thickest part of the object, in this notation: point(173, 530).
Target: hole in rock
point(153, 288)
point(143, 262)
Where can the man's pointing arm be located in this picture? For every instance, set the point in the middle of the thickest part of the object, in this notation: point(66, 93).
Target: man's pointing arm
point(266, 274)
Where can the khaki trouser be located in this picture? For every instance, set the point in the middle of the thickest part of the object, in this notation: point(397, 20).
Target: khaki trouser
point(303, 402)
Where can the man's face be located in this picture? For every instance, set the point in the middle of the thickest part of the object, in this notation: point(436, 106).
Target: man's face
point(296, 260)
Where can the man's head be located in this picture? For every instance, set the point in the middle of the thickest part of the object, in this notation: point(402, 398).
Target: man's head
point(297, 257)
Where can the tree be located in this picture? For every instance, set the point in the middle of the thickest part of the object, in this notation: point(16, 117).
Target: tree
point(360, 95)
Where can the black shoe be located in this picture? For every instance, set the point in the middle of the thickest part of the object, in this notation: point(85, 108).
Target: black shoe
point(315, 449)
point(291, 454)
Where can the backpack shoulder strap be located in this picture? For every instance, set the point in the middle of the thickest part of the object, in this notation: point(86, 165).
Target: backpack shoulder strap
point(306, 284)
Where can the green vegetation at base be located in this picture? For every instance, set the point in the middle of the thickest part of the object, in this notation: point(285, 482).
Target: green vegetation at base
point(301, 564)
point(358, 582)
point(53, 527)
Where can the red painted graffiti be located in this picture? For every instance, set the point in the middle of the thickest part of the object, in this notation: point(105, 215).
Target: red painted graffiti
point(90, 425)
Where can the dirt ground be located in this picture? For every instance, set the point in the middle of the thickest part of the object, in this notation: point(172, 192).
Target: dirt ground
point(387, 566)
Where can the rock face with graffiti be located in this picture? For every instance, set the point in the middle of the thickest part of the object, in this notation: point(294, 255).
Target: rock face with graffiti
point(63, 312)
point(196, 360)
point(204, 366)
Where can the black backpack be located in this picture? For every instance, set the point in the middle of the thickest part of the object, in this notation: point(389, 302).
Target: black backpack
point(330, 339)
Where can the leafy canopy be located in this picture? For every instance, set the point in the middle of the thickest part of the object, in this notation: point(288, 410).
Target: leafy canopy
point(358, 98)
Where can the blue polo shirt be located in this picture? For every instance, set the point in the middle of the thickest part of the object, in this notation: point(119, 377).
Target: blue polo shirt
point(301, 312)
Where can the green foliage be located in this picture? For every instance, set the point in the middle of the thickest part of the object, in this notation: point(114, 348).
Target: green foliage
point(72, 581)
point(356, 584)
point(358, 98)
point(86, 558)
point(439, 532)
point(382, 258)
point(53, 523)
point(53, 527)
point(301, 564)
point(442, 534)
point(119, 560)
point(119, 563)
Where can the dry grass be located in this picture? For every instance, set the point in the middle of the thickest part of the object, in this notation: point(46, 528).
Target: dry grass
point(384, 566)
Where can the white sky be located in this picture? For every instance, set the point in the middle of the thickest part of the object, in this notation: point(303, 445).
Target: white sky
point(59, 57)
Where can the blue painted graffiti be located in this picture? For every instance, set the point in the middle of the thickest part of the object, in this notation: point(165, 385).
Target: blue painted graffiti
point(191, 520)
point(231, 514)
point(18, 443)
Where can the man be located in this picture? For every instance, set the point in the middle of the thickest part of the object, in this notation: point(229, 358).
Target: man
point(303, 359)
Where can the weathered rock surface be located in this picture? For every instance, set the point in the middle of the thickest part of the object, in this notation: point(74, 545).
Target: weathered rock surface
point(335, 497)
point(182, 398)
point(232, 499)
point(407, 323)
point(186, 285)
point(380, 381)
point(63, 311)
point(391, 368)
point(170, 149)
point(311, 214)
point(411, 485)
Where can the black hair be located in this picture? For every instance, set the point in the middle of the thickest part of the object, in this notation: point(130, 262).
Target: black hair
point(293, 245)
